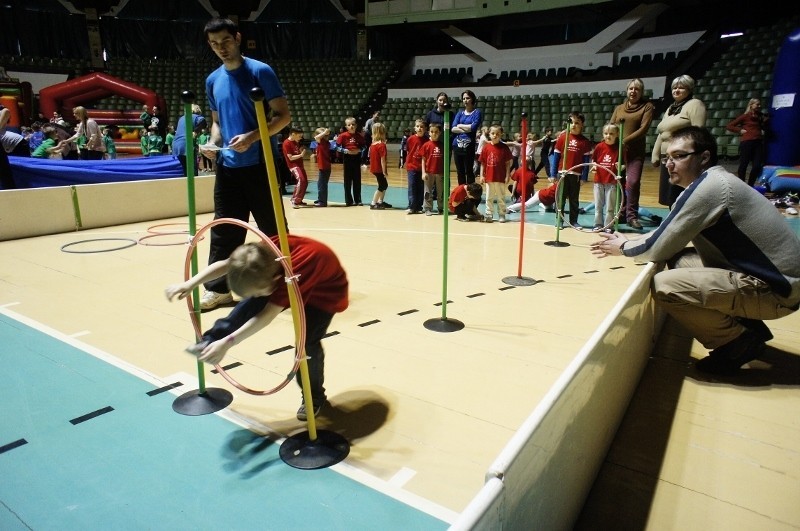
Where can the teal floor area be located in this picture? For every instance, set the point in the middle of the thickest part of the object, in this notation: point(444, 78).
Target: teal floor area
point(87, 445)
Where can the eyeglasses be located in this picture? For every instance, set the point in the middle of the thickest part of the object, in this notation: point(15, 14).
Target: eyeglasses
point(677, 158)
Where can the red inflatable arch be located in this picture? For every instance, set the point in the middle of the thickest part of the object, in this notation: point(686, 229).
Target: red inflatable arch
point(62, 97)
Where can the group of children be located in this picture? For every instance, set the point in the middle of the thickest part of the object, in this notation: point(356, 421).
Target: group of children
point(574, 157)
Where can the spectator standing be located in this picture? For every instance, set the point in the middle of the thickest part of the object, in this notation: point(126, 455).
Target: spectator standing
point(685, 110)
point(635, 115)
point(750, 127)
point(464, 129)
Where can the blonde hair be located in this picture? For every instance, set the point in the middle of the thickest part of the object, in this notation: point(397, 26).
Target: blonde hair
point(319, 130)
point(685, 81)
point(378, 132)
point(614, 128)
point(750, 104)
point(196, 109)
point(252, 265)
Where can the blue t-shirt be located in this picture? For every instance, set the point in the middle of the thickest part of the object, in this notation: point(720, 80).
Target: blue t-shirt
point(229, 96)
point(179, 142)
point(475, 118)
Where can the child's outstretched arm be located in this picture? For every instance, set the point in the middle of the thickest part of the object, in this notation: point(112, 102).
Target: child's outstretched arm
point(215, 270)
point(214, 352)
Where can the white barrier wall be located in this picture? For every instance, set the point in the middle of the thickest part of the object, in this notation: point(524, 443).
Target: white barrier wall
point(39, 211)
point(542, 477)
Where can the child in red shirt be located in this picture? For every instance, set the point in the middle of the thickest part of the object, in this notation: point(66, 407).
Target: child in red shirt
point(464, 202)
point(495, 162)
point(579, 148)
point(414, 168)
point(377, 165)
point(605, 157)
point(323, 155)
point(293, 153)
point(433, 170)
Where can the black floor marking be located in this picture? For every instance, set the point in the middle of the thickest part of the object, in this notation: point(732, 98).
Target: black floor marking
point(564, 276)
point(90, 416)
point(592, 271)
point(407, 312)
point(329, 334)
point(279, 350)
point(228, 367)
point(504, 288)
point(439, 303)
point(12, 445)
point(164, 389)
point(368, 323)
point(617, 267)
point(475, 295)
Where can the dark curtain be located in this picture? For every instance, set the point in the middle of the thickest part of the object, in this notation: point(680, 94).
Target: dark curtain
point(299, 40)
point(153, 38)
point(42, 33)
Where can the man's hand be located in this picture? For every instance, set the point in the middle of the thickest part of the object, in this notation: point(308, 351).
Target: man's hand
point(241, 143)
point(609, 245)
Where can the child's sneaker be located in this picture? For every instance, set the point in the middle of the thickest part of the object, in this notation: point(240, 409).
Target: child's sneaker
point(502, 219)
point(212, 299)
point(487, 219)
point(429, 212)
point(597, 228)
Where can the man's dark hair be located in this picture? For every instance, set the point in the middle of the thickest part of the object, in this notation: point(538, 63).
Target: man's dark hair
point(702, 139)
point(215, 25)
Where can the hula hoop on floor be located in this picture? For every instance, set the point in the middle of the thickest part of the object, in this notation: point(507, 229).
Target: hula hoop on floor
point(291, 280)
point(128, 243)
point(560, 212)
point(152, 228)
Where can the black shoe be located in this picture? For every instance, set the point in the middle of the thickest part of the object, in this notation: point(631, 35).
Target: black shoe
point(757, 327)
point(634, 224)
point(385, 204)
point(730, 357)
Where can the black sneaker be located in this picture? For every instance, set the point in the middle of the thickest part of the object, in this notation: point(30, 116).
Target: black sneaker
point(385, 204)
point(301, 412)
point(730, 357)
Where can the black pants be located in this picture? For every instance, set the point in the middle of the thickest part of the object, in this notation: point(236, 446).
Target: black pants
point(464, 159)
point(238, 192)
point(352, 179)
point(751, 151)
point(317, 322)
point(570, 190)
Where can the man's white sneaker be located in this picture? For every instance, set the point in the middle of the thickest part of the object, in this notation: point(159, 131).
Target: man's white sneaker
point(212, 299)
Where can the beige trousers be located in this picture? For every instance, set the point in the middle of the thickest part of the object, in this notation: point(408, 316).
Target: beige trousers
point(706, 300)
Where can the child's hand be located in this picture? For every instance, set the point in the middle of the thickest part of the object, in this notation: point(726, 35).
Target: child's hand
point(214, 352)
point(181, 290)
point(424, 176)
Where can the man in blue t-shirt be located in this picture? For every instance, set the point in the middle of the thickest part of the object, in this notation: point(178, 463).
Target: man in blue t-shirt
point(241, 186)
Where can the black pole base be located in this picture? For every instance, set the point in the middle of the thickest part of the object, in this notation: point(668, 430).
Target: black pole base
point(519, 281)
point(326, 450)
point(557, 243)
point(196, 403)
point(443, 324)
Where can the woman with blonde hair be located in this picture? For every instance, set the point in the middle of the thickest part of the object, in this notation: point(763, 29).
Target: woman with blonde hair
point(750, 128)
point(686, 110)
point(88, 135)
point(636, 115)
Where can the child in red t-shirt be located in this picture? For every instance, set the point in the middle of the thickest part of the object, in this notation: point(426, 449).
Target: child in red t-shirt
point(433, 170)
point(254, 274)
point(516, 184)
point(579, 148)
point(377, 165)
point(464, 201)
point(605, 157)
point(293, 152)
point(495, 162)
point(351, 143)
point(414, 168)
point(323, 155)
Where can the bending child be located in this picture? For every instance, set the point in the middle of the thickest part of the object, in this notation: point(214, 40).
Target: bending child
point(254, 273)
